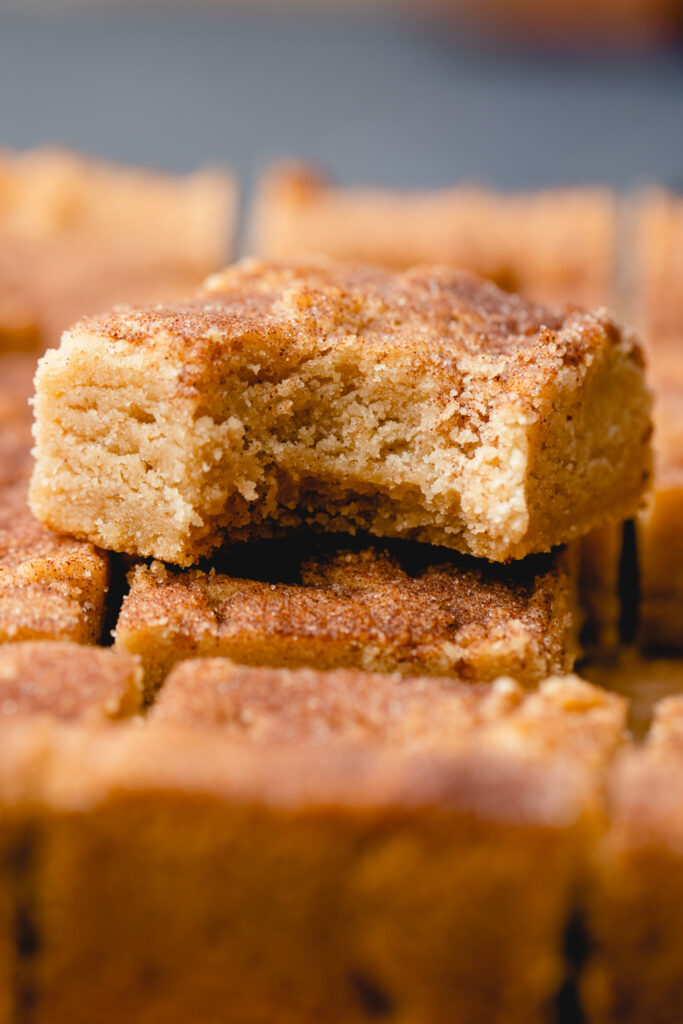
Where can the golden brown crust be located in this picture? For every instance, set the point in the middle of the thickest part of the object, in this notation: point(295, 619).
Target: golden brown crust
point(474, 777)
point(67, 681)
point(438, 315)
point(566, 729)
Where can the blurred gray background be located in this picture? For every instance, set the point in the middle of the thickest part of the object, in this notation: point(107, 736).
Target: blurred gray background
point(379, 97)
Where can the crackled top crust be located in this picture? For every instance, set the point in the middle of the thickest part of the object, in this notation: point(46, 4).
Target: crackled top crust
point(445, 590)
point(444, 318)
point(499, 764)
point(364, 605)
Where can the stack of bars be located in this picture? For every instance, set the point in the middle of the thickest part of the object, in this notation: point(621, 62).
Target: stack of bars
point(351, 514)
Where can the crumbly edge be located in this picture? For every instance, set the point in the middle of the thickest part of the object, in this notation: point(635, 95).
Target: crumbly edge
point(115, 455)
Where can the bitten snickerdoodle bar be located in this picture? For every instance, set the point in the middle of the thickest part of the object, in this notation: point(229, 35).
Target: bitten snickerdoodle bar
point(426, 404)
point(365, 610)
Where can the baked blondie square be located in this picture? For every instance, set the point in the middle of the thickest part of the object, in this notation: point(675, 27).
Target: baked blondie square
point(635, 973)
point(554, 246)
point(79, 235)
point(426, 404)
point(67, 681)
point(660, 543)
point(428, 885)
point(52, 587)
point(362, 609)
point(660, 263)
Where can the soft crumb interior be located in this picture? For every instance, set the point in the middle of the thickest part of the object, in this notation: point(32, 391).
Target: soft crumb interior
point(377, 448)
point(332, 444)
